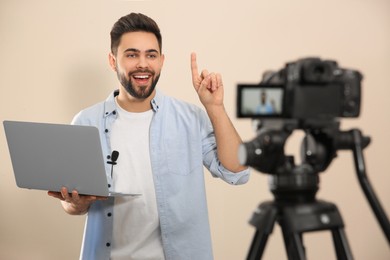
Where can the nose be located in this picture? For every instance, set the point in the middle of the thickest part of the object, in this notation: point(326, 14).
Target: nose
point(142, 62)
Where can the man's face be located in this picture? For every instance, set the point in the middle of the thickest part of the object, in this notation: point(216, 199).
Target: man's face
point(138, 63)
point(263, 97)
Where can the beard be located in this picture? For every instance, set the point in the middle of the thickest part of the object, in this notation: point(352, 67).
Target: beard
point(143, 91)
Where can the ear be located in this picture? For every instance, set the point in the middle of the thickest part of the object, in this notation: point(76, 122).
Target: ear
point(162, 60)
point(112, 61)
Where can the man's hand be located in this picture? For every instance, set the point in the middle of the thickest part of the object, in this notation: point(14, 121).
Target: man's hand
point(74, 203)
point(210, 90)
point(208, 85)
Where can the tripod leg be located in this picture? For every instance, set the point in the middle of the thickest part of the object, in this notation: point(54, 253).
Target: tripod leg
point(341, 245)
point(294, 245)
point(257, 247)
point(263, 219)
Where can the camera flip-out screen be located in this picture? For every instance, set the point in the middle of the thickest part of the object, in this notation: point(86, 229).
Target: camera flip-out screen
point(259, 101)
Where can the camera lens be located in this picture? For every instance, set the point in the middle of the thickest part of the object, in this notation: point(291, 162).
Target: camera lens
point(247, 153)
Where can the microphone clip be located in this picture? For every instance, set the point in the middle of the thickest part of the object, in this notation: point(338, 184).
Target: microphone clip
point(114, 158)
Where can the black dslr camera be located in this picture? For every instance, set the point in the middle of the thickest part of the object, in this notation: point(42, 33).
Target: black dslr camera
point(307, 88)
point(309, 94)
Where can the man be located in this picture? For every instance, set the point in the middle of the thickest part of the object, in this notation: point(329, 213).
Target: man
point(163, 145)
point(264, 107)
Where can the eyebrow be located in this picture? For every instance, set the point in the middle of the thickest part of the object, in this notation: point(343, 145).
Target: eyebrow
point(138, 51)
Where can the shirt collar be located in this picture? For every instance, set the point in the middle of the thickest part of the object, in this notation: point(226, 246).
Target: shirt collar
point(110, 107)
point(156, 101)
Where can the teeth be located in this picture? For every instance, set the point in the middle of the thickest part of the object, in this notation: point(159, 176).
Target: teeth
point(142, 77)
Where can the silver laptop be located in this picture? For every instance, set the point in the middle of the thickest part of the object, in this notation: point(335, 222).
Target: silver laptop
point(50, 156)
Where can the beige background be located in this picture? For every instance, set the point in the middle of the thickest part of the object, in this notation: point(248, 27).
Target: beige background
point(53, 62)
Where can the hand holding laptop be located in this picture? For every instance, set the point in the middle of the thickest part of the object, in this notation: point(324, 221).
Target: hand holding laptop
point(74, 203)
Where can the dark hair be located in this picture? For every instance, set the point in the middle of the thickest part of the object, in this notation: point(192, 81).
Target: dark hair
point(133, 22)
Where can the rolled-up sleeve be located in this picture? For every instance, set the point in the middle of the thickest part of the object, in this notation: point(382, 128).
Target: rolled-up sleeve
point(211, 161)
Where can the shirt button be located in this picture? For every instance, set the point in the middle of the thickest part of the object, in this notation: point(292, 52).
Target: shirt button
point(108, 244)
point(106, 130)
point(114, 112)
point(108, 156)
point(109, 185)
point(109, 214)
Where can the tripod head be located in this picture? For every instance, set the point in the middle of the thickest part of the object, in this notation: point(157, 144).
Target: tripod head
point(319, 147)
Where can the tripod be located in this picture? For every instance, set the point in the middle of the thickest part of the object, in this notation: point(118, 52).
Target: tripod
point(296, 209)
point(295, 219)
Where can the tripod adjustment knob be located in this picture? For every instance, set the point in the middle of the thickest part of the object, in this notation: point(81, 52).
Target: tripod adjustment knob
point(309, 149)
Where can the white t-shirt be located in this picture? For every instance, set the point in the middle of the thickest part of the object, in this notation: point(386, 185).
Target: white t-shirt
point(136, 230)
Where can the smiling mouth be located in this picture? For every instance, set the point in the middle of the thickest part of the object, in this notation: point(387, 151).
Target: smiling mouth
point(141, 78)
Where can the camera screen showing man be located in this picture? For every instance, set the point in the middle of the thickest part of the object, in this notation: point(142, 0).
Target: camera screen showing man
point(260, 101)
point(265, 106)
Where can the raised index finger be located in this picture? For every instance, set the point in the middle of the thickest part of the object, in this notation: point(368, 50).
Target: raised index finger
point(194, 66)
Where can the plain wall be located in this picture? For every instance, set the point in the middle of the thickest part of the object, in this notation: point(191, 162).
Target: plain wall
point(53, 63)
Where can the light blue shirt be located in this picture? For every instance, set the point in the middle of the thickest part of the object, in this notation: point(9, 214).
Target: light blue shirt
point(264, 109)
point(182, 141)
